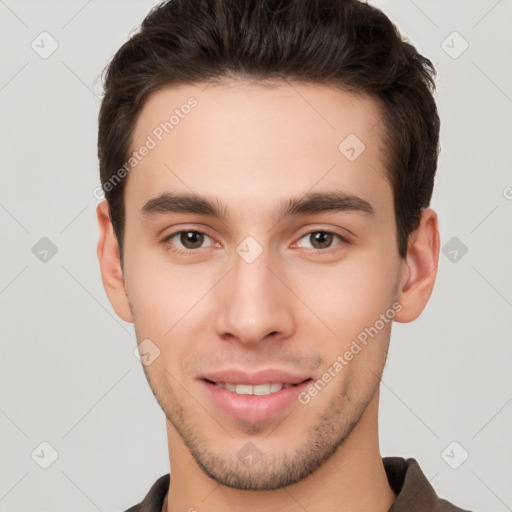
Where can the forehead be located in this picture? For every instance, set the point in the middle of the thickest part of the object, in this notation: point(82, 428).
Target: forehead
point(251, 144)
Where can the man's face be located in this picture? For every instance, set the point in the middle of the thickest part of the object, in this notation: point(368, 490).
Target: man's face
point(255, 296)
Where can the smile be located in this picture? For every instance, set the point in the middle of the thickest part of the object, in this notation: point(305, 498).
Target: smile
point(259, 389)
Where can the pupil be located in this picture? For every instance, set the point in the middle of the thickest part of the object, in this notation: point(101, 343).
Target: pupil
point(191, 239)
point(321, 239)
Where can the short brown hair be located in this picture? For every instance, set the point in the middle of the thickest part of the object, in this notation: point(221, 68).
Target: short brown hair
point(346, 43)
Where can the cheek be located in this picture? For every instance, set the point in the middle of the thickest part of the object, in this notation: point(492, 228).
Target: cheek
point(349, 296)
point(164, 306)
point(160, 292)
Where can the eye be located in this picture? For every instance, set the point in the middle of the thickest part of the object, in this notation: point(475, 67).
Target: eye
point(320, 240)
point(187, 240)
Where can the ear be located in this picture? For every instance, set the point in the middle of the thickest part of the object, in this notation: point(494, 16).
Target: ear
point(419, 269)
point(110, 264)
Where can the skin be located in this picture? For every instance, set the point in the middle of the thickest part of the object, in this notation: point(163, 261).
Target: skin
point(252, 147)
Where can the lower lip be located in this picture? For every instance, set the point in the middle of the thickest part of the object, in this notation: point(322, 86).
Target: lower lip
point(254, 408)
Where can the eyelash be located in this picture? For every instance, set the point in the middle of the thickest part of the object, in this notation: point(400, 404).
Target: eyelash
point(190, 252)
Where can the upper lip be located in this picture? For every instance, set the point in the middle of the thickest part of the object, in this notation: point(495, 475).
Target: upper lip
point(267, 376)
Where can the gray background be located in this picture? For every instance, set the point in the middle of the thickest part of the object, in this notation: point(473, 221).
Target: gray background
point(68, 376)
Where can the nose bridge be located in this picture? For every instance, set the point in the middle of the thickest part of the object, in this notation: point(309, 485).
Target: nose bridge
point(254, 301)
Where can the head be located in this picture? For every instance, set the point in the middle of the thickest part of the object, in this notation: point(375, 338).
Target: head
point(267, 175)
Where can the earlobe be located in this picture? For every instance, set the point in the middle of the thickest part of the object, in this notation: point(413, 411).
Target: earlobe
point(420, 268)
point(110, 264)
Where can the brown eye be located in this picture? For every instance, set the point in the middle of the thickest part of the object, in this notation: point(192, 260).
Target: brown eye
point(191, 239)
point(188, 241)
point(322, 240)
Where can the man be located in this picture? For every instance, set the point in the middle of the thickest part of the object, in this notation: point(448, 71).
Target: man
point(268, 167)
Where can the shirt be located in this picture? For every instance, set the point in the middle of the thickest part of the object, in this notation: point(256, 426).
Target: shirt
point(413, 491)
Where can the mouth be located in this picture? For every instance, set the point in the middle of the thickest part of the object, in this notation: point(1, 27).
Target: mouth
point(257, 389)
point(252, 399)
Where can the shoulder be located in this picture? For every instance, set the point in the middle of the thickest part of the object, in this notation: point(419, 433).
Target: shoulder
point(155, 497)
point(414, 493)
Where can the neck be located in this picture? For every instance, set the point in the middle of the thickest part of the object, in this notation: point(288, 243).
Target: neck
point(353, 479)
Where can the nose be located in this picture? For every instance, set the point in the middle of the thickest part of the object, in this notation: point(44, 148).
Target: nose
point(254, 303)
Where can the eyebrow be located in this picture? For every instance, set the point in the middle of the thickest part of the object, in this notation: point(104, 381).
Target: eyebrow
point(319, 202)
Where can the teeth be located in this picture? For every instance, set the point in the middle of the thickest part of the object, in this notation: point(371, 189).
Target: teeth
point(243, 389)
point(258, 390)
